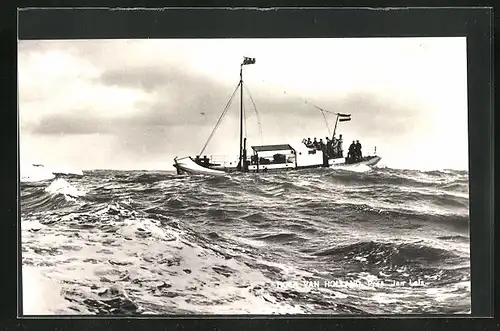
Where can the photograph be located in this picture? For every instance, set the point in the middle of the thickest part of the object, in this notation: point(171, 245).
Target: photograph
point(244, 176)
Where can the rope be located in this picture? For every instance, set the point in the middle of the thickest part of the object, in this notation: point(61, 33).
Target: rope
point(256, 113)
point(323, 111)
point(327, 126)
point(220, 119)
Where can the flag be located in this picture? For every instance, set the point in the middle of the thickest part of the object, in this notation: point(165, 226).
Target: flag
point(248, 60)
point(344, 117)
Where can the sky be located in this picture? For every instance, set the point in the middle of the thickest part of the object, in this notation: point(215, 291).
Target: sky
point(136, 104)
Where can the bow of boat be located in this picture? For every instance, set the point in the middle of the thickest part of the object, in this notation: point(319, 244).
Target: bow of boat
point(186, 165)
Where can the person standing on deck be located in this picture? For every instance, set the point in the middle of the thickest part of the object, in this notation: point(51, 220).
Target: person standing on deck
point(315, 144)
point(358, 150)
point(335, 147)
point(329, 148)
point(351, 154)
point(340, 152)
point(321, 145)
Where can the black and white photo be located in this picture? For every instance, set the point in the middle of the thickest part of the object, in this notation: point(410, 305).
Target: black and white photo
point(244, 176)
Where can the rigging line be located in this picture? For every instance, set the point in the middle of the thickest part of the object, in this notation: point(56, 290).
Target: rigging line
point(324, 116)
point(321, 109)
point(224, 112)
point(327, 126)
point(256, 113)
point(220, 118)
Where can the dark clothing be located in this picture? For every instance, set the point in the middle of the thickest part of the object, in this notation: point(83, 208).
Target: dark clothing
point(352, 151)
point(329, 149)
point(355, 152)
point(321, 145)
point(358, 151)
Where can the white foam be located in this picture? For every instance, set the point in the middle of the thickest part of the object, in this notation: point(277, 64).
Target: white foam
point(41, 295)
point(34, 173)
point(33, 225)
point(61, 186)
point(131, 226)
point(355, 167)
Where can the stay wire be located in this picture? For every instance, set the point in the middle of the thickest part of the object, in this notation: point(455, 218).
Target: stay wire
point(256, 113)
point(224, 112)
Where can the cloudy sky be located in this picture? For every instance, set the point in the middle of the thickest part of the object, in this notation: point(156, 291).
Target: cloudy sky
point(136, 104)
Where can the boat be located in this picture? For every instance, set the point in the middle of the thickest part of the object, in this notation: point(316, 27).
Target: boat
point(271, 158)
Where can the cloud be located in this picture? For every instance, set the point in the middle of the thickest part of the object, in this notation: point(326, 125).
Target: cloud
point(154, 99)
point(71, 123)
point(147, 78)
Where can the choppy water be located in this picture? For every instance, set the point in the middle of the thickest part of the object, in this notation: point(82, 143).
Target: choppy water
point(312, 241)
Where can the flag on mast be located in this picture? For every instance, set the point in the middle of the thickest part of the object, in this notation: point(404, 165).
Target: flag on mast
point(344, 117)
point(248, 60)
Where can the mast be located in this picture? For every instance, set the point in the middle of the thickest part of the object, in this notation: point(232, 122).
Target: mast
point(335, 129)
point(241, 117)
point(246, 60)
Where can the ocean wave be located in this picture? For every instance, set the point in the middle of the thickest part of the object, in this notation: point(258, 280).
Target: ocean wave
point(398, 261)
point(39, 172)
point(141, 242)
point(279, 237)
point(40, 201)
point(399, 254)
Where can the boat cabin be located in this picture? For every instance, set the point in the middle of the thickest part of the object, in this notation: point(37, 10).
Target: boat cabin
point(270, 157)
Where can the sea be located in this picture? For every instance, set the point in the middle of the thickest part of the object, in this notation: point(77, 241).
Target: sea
point(354, 241)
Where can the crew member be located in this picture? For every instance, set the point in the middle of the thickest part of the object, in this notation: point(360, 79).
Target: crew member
point(197, 159)
point(334, 147)
point(309, 143)
point(352, 150)
point(340, 152)
point(329, 149)
point(315, 144)
point(358, 150)
point(321, 144)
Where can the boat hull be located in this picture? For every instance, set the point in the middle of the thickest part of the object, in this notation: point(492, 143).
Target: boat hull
point(367, 161)
point(187, 166)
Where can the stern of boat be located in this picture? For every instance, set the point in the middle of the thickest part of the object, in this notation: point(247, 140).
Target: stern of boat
point(372, 160)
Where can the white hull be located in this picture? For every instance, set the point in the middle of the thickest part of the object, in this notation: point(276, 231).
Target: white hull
point(186, 165)
point(370, 162)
